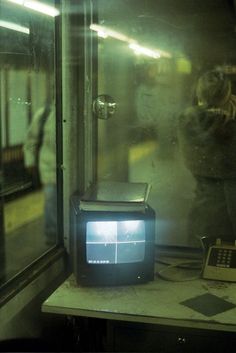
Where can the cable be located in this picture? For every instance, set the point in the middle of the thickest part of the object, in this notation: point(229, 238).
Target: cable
point(180, 264)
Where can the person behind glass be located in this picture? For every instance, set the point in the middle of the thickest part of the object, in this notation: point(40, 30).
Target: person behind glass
point(146, 97)
point(207, 136)
point(155, 106)
point(40, 155)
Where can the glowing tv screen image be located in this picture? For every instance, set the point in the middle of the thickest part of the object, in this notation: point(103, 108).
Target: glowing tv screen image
point(115, 242)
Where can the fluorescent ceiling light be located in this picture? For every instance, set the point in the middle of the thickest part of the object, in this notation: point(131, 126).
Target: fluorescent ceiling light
point(102, 34)
point(146, 51)
point(37, 6)
point(14, 27)
point(110, 33)
point(105, 32)
point(18, 2)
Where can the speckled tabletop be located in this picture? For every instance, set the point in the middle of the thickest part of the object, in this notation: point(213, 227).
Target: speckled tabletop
point(157, 302)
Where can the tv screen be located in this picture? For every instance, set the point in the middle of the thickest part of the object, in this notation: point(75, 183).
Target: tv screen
point(112, 243)
point(115, 242)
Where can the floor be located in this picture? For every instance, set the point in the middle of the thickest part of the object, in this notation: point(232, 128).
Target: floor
point(24, 239)
point(23, 246)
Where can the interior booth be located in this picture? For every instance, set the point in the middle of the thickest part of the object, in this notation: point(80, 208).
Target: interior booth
point(117, 175)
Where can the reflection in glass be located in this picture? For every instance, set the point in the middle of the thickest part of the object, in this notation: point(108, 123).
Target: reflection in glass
point(27, 88)
point(208, 140)
point(150, 57)
point(40, 162)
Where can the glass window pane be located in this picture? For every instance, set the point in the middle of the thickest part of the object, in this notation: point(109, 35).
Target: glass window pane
point(28, 135)
point(150, 57)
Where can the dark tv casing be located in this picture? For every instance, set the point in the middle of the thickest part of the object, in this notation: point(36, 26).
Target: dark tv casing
point(88, 274)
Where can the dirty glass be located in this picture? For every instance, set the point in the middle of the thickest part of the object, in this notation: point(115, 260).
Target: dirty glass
point(150, 56)
point(28, 138)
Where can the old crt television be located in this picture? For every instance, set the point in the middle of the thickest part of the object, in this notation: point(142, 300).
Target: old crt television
point(113, 232)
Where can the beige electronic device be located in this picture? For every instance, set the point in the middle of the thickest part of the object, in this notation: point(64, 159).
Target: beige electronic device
point(221, 262)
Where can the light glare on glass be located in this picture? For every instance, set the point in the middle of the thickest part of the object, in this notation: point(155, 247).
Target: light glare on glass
point(37, 6)
point(102, 34)
point(105, 32)
point(14, 27)
point(145, 51)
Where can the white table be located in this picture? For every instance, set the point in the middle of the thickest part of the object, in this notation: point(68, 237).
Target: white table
point(157, 302)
